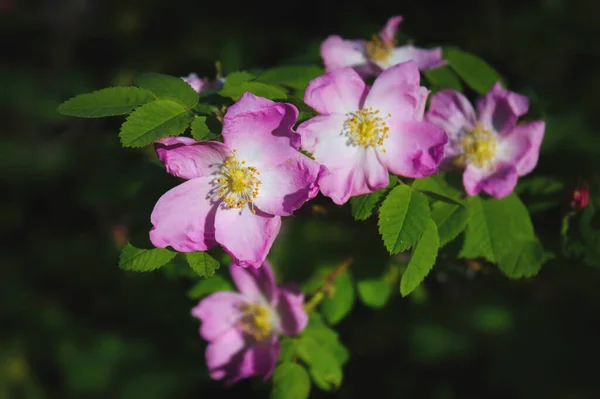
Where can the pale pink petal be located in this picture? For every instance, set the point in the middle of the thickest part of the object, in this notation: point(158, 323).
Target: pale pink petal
point(499, 109)
point(339, 53)
point(187, 158)
point(323, 137)
point(388, 33)
point(218, 313)
point(261, 131)
point(518, 103)
point(341, 90)
point(396, 92)
point(287, 186)
point(246, 236)
point(290, 308)
point(422, 101)
point(256, 284)
point(498, 181)
point(521, 147)
point(196, 82)
point(224, 351)
point(183, 217)
point(451, 111)
point(258, 360)
point(424, 58)
point(364, 175)
point(413, 149)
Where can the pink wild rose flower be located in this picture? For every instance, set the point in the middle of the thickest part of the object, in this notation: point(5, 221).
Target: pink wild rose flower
point(371, 57)
point(491, 147)
point(243, 328)
point(362, 132)
point(236, 191)
point(203, 84)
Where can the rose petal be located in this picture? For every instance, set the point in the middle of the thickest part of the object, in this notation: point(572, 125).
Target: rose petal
point(256, 284)
point(290, 308)
point(223, 352)
point(521, 147)
point(339, 53)
point(341, 90)
point(258, 360)
point(184, 217)
point(396, 92)
point(218, 313)
point(287, 186)
point(246, 236)
point(498, 182)
point(187, 158)
point(499, 109)
point(423, 58)
point(261, 131)
point(413, 149)
point(388, 33)
point(364, 175)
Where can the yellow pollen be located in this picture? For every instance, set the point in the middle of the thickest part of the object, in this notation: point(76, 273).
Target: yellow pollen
point(367, 128)
point(478, 146)
point(256, 321)
point(377, 49)
point(238, 184)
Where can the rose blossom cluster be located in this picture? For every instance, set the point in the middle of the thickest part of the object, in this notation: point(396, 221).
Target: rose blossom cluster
point(236, 191)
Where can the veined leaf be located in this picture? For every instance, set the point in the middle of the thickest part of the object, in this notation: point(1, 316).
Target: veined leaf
point(202, 263)
point(167, 87)
point(402, 218)
point(476, 73)
point(290, 381)
point(422, 260)
point(144, 260)
point(106, 102)
point(154, 121)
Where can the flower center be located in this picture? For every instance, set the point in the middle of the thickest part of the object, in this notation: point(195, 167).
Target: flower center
point(377, 49)
point(256, 321)
point(366, 128)
point(479, 147)
point(238, 183)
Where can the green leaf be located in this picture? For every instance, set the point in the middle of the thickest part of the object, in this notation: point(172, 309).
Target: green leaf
point(437, 188)
point(294, 76)
point(422, 260)
point(443, 78)
point(495, 226)
point(451, 220)
point(374, 292)
point(144, 260)
point(209, 286)
point(154, 121)
point(167, 87)
point(323, 366)
point(290, 381)
point(288, 347)
point(106, 102)
point(337, 307)
point(202, 263)
point(402, 218)
point(524, 260)
point(200, 130)
point(476, 73)
point(240, 82)
point(363, 205)
point(326, 336)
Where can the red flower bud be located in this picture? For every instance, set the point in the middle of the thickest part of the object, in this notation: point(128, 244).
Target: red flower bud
point(579, 198)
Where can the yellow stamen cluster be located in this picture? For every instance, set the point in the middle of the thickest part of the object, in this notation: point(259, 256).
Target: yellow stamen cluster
point(238, 183)
point(256, 321)
point(367, 128)
point(478, 146)
point(377, 49)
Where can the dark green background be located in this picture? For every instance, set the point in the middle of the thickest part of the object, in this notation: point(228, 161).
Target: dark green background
point(75, 326)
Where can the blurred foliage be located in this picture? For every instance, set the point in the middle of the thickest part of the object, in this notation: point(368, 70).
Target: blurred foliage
point(75, 325)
